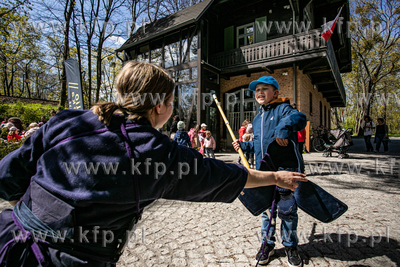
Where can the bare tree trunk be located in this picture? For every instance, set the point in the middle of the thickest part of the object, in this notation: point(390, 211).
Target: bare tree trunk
point(94, 12)
point(12, 80)
point(109, 8)
point(27, 80)
point(6, 81)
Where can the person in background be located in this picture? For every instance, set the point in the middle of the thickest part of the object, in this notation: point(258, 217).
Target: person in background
point(53, 113)
point(202, 136)
point(13, 135)
point(301, 138)
point(42, 120)
point(181, 136)
point(242, 131)
point(209, 145)
point(174, 126)
point(301, 135)
point(194, 136)
point(6, 129)
point(33, 127)
point(249, 136)
point(368, 127)
point(382, 136)
point(4, 122)
point(17, 123)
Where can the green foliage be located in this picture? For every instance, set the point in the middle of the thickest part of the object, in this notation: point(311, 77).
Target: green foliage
point(8, 147)
point(372, 88)
point(28, 113)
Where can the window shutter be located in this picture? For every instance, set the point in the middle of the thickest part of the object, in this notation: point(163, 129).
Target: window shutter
point(260, 29)
point(228, 38)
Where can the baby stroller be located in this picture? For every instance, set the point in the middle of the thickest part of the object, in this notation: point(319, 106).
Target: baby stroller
point(340, 140)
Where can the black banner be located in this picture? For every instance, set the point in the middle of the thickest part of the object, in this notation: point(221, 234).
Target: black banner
point(75, 99)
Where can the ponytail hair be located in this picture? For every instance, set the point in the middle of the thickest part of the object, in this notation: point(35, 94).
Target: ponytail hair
point(105, 111)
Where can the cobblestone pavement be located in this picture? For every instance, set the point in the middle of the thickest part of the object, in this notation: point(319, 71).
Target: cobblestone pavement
point(175, 233)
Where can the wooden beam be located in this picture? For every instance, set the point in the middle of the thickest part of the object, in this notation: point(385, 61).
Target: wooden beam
point(187, 81)
point(334, 98)
point(269, 70)
point(331, 90)
point(314, 71)
point(183, 66)
point(310, 65)
point(268, 63)
point(325, 81)
point(329, 94)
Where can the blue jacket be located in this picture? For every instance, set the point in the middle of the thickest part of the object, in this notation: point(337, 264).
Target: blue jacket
point(278, 119)
point(76, 173)
point(182, 138)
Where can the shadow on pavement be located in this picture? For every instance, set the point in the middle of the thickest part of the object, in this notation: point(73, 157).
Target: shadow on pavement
point(347, 247)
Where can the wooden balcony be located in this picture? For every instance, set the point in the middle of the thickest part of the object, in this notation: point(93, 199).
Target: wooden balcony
point(301, 49)
point(280, 48)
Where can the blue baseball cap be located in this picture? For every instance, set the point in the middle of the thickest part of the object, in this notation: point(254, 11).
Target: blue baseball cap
point(264, 79)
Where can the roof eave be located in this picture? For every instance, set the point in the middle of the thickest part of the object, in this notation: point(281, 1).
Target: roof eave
point(188, 22)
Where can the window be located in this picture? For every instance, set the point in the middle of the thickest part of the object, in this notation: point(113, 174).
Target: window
point(156, 52)
point(143, 53)
point(245, 35)
point(310, 98)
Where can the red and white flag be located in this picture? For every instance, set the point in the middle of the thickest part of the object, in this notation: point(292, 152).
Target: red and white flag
point(330, 26)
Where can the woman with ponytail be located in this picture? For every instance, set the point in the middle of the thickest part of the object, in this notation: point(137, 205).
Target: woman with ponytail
point(80, 183)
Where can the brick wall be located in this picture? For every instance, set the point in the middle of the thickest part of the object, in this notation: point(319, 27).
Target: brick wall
point(304, 88)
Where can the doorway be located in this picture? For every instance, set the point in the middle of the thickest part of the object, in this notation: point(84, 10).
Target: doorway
point(241, 106)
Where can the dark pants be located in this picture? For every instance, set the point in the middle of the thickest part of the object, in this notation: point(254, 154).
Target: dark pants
point(367, 139)
point(379, 140)
point(209, 153)
point(250, 158)
point(301, 144)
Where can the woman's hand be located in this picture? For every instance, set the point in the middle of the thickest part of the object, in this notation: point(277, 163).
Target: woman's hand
point(282, 179)
point(288, 180)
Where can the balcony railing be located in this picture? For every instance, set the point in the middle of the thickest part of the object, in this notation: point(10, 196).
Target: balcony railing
point(292, 45)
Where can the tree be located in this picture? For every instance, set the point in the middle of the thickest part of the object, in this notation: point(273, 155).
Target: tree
point(375, 45)
point(110, 6)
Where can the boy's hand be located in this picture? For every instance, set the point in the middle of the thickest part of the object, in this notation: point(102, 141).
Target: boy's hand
point(236, 145)
point(282, 142)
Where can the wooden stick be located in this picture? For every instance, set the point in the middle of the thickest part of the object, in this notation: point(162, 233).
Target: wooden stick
point(242, 157)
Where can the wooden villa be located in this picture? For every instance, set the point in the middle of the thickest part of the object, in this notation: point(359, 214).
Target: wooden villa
point(220, 46)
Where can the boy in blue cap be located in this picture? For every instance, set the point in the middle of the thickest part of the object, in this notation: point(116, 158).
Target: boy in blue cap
point(275, 131)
